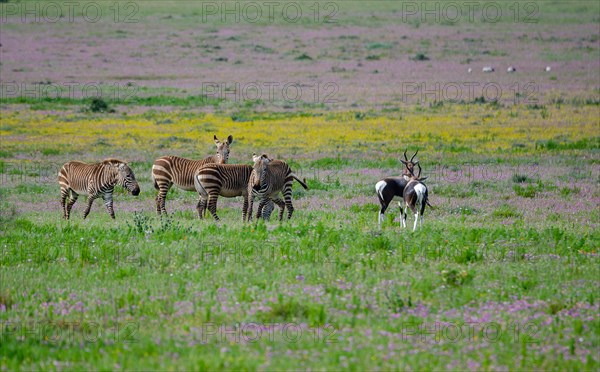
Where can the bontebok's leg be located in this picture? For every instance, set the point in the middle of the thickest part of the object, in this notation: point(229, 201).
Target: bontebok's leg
point(382, 211)
point(416, 221)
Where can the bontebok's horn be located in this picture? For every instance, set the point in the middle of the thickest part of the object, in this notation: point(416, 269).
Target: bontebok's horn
point(411, 159)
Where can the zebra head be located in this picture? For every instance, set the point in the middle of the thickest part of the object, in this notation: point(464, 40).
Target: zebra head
point(126, 178)
point(223, 149)
point(260, 168)
point(409, 165)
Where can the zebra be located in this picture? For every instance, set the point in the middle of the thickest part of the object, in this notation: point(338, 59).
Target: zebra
point(227, 180)
point(169, 170)
point(96, 180)
point(271, 177)
point(253, 186)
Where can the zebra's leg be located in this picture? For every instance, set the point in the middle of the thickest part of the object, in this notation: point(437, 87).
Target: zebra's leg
point(261, 206)
point(281, 204)
point(72, 199)
point(212, 204)
point(63, 199)
point(268, 209)
point(201, 207)
point(287, 197)
point(90, 200)
point(249, 207)
point(108, 202)
point(161, 197)
point(245, 207)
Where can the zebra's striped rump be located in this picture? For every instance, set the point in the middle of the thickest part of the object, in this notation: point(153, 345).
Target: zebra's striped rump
point(227, 180)
point(95, 180)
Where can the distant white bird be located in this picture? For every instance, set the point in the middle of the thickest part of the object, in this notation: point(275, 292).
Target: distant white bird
point(469, 70)
point(548, 68)
point(511, 69)
point(488, 69)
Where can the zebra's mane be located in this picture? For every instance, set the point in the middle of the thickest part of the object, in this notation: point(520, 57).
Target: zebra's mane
point(112, 161)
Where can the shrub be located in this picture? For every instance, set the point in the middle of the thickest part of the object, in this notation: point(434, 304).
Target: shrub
point(520, 178)
point(420, 57)
point(99, 105)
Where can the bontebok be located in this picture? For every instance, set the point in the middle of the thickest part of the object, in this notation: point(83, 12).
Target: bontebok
point(415, 197)
point(390, 187)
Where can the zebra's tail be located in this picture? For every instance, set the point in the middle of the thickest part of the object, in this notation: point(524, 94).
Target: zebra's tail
point(199, 187)
point(154, 179)
point(301, 182)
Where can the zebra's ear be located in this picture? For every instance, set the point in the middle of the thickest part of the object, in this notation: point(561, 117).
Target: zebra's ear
point(121, 166)
point(216, 139)
point(229, 139)
point(255, 158)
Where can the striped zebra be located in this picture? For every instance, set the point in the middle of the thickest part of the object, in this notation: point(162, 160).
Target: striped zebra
point(253, 187)
point(169, 170)
point(95, 180)
point(271, 178)
point(227, 180)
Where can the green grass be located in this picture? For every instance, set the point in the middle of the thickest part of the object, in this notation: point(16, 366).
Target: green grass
point(327, 282)
point(148, 268)
point(503, 275)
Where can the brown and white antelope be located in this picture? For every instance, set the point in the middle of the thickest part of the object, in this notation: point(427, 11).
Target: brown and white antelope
point(271, 178)
point(96, 180)
point(393, 187)
point(173, 170)
point(416, 197)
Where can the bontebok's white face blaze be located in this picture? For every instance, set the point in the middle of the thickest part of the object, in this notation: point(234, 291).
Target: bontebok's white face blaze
point(409, 165)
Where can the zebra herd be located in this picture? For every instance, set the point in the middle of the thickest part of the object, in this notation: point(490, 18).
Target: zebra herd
point(213, 177)
point(210, 177)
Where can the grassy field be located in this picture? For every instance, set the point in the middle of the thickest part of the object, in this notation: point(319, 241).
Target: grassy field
point(504, 270)
point(504, 274)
